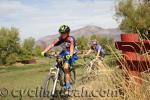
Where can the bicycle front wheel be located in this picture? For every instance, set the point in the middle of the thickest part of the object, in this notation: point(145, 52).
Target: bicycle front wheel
point(48, 86)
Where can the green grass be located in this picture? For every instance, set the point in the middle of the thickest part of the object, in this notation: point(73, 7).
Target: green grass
point(27, 76)
point(31, 76)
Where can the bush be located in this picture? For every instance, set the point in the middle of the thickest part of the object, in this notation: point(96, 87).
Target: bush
point(134, 16)
point(28, 46)
point(37, 51)
point(11, 59)
point(82, 43)
point(9, 45)
point(11, 49)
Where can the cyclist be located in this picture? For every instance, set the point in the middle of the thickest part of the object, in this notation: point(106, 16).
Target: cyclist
point(69, 51)
point(98, 49)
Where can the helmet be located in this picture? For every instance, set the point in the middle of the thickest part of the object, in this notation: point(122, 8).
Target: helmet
point(93, 42)
point(64, 29)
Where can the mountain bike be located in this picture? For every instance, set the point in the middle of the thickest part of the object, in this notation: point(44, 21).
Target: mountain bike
point(55, 80)
point(90, 64)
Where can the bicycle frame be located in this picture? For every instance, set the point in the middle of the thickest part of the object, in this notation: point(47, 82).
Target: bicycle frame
point(58, 68)
point(56, 78)
point(56, 73)
point(89, 64)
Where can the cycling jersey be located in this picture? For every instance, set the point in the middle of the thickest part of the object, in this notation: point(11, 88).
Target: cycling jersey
point(98, 48)
point(65, 43)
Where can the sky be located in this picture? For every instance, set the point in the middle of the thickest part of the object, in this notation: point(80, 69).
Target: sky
point(38, 18)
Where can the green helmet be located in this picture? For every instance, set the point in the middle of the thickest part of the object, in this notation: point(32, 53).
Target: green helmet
point(64, 29)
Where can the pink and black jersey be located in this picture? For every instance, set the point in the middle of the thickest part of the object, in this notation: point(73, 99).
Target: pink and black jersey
point(65, 43)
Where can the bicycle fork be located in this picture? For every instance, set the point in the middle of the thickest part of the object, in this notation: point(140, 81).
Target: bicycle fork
point(56, 78)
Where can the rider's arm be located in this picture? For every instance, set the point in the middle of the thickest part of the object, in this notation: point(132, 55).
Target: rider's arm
point(51, 45)
point(71, 46)
point(89, 52)
point(98, 53)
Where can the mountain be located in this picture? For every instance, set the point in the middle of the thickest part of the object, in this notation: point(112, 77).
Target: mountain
point(84, 31)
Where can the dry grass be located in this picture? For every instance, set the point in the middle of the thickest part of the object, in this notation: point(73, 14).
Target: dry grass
point(113, 80)
point(114, 83)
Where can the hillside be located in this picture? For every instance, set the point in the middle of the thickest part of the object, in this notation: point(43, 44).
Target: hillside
point(84, 31)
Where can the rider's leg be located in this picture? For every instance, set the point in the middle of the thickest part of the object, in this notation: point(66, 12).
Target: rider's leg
point(100, 61)
point(67, 72)
point(68, 79)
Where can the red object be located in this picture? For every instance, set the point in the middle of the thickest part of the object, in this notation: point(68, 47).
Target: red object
point(132, 48)
point(128, 46)
point(131, 37)
point(133, 60)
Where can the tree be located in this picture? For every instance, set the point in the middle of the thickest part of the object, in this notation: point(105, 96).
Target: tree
point(134, 16)
point(37, 51)
point(82, 43)
point(28, 47)
point(9, 45)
